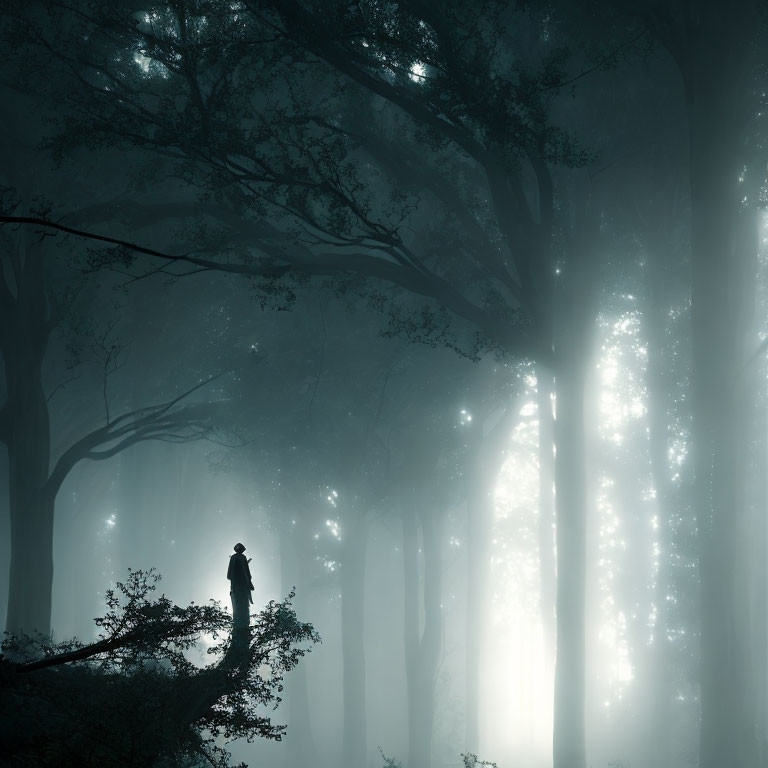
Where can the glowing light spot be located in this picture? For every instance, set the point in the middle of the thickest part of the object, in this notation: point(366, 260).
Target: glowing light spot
point(418, 72)
point(143, 61)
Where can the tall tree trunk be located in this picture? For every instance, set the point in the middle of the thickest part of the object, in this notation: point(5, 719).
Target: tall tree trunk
point(431, 639)
point(658, 667)
point(486, 455)
point(569, 746)
point(31, 569)
point(354, 744)
point(422, 646)
point(5, 526)
point(24, 331)
point(478, 526)
point(572, 350)
point(411, 621)
point(720, 458)
point(723, 282)
point(759, 541)
point(299, 740)
point(713, 47)
point(546, 534)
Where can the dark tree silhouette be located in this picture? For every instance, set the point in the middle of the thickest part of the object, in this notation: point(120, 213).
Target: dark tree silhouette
point(483, 110)
point(31, 309)
point(133, 698)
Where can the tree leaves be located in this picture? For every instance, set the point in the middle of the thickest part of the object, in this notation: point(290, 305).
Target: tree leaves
point(136, 692)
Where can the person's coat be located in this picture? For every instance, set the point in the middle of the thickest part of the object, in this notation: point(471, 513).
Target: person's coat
point(239, 575)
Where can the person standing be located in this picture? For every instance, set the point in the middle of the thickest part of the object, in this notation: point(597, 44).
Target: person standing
point(241, 586)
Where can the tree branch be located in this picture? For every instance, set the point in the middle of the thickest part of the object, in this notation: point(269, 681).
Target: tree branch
point(80, 654)
point(416, 281)
point(149, 423)
point(302, 26)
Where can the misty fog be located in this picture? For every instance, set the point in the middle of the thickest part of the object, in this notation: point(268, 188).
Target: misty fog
point(453, 315)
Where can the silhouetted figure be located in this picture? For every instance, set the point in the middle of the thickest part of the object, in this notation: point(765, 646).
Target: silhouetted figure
point(239, 575)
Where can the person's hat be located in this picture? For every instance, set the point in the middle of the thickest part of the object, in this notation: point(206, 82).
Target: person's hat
point(239, 547)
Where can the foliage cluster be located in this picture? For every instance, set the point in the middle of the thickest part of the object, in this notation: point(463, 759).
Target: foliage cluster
point(134, 697)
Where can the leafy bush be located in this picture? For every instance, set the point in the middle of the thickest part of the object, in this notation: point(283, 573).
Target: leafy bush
point(472, 761)
point(133, 698)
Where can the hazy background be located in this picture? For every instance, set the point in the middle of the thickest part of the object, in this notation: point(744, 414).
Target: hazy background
point(473, 356)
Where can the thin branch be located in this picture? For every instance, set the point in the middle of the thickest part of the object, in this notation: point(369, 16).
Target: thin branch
point(425, 284)
point(241, 444)
point(142, 437)
point(163, 408)
point(80, 654)
point(302, 27)
point(149, 423)
point(135, 247)
point(62, 385)
point(600, 64)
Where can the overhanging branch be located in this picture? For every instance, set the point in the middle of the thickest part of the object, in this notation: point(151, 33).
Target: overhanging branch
point(419, 282)
point(154, 422)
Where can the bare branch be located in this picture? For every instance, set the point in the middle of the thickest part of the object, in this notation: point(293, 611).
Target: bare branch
point(60, 386)
point(39, 222)
point(419, 282)
point(152, 422)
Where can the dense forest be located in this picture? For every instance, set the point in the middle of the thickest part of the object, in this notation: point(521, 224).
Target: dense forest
point(437, 329)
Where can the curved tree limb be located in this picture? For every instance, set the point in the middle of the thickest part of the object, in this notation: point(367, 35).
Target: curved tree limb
point(419, 282)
